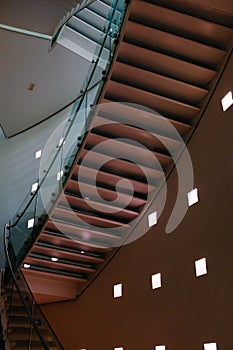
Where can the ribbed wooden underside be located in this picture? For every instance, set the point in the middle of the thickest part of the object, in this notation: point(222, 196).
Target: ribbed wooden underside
point(168, 61)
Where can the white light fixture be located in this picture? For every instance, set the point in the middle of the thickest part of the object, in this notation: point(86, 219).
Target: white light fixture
point(160, 347)
point(117, 290)
point(210, 346)
point(34, 187)
point(59, 175)
point(26, 266)
point(30, 223)
point(120, 348)
point(61, 141)
point(156, 281)
point(38, 154)
point(227, 101)
point(54, 259)
point(82, 252)
point(200, 267)
point(152, 219)
point(192, 197)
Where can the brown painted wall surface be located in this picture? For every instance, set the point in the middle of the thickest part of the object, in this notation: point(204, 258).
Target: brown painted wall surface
point(187, 311)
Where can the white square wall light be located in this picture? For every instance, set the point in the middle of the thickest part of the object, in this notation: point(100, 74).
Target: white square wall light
point(152, 219)
point(160, 347)
point(59, 175)
point(156, 281)
point(34, 187)
point(38, 154)
point(30, 223)
point(117, 290)
point(227, 101)
point(210, 346)
point(200, 267)
point(192, 197)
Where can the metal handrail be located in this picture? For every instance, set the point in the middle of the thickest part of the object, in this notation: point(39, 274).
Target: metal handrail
point(81, 97)
point(30, 316)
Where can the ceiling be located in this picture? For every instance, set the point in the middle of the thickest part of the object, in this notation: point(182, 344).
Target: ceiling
point(25, 60)
point(40, 16)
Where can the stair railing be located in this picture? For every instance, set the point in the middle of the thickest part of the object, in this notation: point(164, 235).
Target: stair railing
point(55, 167)
point(3, 316)
point(36, 321)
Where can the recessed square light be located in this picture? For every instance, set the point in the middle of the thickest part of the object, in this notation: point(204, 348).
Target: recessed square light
point(30, 223)
point(38, 154)
point(152, 219)
point(156, 281)
point(227, 101)
point(192, 197)
point(117, 290)
point(119, 348)
point(59, 175)
point(160, 347)
point(34, 187)
point(26, 266)
point(210, 346)
point(200, 267)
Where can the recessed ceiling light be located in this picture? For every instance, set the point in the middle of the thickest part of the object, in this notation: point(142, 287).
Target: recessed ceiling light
point(200, 267)
point(34, 187)
point(59, 175)
point(156, 281)
point(152, 219)
point(160, 347)
point(192, 197)
point(26, 266)
point(54, 259)
point(210, 346)
point(117, 290)
point(227, 101)
point(119, 348)
point(30, 223)
point(38, 154)
point(82, 252)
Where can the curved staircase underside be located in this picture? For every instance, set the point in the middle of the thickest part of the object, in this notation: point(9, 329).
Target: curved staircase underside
point(169, 60)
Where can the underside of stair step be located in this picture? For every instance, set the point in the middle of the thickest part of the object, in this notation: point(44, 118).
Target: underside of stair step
point(85, 32)
point(164, 72)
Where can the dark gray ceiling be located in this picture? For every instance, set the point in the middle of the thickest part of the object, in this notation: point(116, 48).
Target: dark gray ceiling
point(57, 75)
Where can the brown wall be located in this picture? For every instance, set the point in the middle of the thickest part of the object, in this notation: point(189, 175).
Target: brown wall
point(187, 311)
